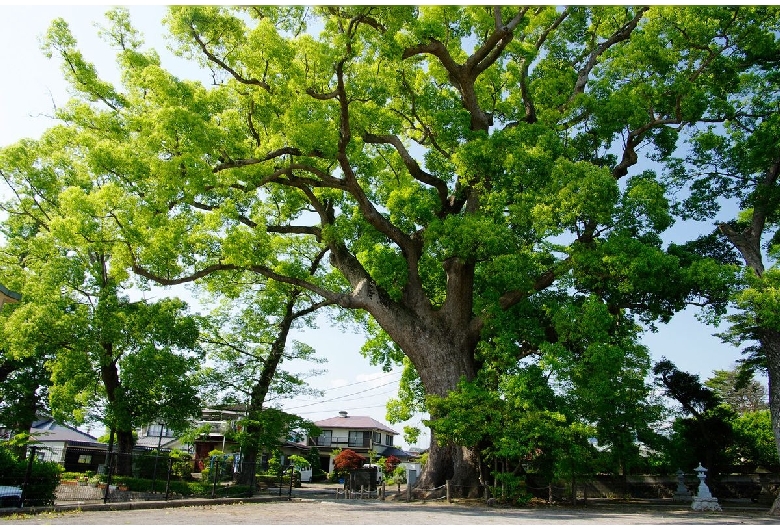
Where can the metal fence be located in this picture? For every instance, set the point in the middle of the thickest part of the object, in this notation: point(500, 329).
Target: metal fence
point(94, 476)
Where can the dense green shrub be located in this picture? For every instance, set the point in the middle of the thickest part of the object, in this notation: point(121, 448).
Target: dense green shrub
point(223, 465)
point(182, 464)
point(44, 478)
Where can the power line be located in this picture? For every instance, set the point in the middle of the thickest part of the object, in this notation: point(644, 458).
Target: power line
point(313, 406)
point(353, 384)
point(334, 411)
point(342, 397)
point(360, 382)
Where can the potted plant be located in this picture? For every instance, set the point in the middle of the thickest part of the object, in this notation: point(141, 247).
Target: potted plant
point(83, 480)
point(94, 481)
point(122, 486)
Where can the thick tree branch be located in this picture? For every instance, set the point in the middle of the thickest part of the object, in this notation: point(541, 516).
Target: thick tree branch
point(491, 49)
point(542, 282)
point(222, 64)
point(321, 96)
point(748, 241)
point(463, 77)
point(620, 35)
point(411, 164)
point(438, 50)
point(299, 230)
point(278, 153)
point(530, 108)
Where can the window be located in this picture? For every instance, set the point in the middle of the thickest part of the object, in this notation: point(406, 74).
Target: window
point(85, 459)
point(389, 440)
point(377, 437)
point(325, 438)
point(359, 438)
point(157, 430)
point(355, 439)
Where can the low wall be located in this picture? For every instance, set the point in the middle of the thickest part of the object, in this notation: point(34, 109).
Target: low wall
point(756, 487)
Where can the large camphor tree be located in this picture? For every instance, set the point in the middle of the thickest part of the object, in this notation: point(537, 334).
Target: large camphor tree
point(471, 172)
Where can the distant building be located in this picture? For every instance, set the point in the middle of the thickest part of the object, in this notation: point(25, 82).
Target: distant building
point(73, 449)
point(362, 434)
point(220, 426)
point(7, 296)
point(158, 436)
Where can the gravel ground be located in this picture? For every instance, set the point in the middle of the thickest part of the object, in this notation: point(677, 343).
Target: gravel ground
point(312, 511)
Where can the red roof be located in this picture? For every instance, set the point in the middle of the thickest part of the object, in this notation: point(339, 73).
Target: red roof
point(353, 422)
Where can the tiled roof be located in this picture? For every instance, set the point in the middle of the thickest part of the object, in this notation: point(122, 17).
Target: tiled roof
point(152, 441)
point(353, 422)
point(394, 451)
point(48, 430)
point(8, 295)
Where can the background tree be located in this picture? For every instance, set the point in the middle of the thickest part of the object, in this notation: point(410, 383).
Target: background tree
point(347, 460)
point(703, 430)
point(741, 161)
point(123, 363)
point(464, 168)
point(737, 388)
point(753, 446)
point(247, 343)
point(24, 384)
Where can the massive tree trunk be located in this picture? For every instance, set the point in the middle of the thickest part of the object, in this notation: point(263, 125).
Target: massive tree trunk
point(441, 367)
point(124, 430)
point(441, 345)
point(439, 341)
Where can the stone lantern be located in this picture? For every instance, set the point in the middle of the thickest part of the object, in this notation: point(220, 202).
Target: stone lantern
point(703, 500)
point(682, 494)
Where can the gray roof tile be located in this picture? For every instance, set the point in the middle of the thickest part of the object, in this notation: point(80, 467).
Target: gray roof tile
point(353, 422)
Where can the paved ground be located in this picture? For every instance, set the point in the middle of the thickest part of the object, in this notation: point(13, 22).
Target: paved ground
point(356, 512)
point(319, 507)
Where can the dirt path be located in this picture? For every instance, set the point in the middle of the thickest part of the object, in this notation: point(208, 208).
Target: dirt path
point(356, 512)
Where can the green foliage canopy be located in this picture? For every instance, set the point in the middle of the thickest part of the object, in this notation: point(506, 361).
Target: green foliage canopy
point(472, 173)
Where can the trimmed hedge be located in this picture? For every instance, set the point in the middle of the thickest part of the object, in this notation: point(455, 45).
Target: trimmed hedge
point(274, 479)
point(181, 487)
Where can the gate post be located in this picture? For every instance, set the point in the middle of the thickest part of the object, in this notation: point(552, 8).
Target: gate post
point(168, 480)
point(110, 458)
point(215, 470)
point(27, 475)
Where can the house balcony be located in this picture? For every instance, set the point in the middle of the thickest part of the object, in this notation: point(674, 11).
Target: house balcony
point(216, 427)
point(339, 441)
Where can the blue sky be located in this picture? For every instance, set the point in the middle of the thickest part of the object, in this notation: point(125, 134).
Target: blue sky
point(33, 84)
